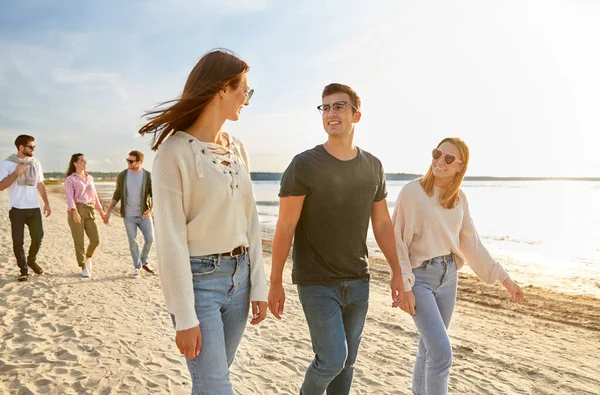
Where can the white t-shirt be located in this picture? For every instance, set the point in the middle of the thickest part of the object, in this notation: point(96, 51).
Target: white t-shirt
point(21, 196)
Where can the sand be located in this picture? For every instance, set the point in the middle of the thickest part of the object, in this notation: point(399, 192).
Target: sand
point(61, 334)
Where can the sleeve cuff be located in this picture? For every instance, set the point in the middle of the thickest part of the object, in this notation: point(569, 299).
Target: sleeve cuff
point(186, 321)
point(259, 294)
point(503, 275)
point(408, 281)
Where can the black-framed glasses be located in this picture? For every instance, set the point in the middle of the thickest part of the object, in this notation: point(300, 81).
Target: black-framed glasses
point(248, 92)
point(339, 107)
point(130, 161)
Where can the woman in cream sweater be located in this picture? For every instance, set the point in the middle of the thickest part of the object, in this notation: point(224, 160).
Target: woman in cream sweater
point(207, 231)
point(435, 236)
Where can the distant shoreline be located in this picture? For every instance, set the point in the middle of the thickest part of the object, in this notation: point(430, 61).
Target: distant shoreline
point(266, 176)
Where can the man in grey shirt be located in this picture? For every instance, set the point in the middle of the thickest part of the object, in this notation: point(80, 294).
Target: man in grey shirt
point(134, 189)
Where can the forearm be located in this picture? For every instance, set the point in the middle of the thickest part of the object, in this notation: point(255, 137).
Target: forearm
point(173, 259)
point(42, 191)
point(282, 243)
point(112, 205)
point(8, 181)
point(479, 258)
point(384, 235)
point(98, 204)
point(258, 279)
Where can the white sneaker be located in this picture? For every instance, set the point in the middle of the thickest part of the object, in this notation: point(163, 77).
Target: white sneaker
point(136, 273)
point(88, 266)
point(85, 273)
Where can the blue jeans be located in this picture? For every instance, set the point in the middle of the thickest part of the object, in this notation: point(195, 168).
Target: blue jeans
point(222, 299)
point(131, 225)
point(336, 316)
point(435, 296)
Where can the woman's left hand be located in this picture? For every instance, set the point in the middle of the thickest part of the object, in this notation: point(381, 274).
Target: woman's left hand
point(259, 312)
point(514, 290)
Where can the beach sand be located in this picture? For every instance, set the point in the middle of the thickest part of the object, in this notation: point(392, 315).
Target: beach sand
point(61, 334)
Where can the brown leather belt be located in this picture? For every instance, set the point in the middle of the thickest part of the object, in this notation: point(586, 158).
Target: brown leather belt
point(241, 250)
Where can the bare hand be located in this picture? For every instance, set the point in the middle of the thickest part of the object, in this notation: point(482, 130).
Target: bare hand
point(259, 312)
point(47, 210)
point(21, 168)
point(189, 342)
point(276, 299)
point(106, 218)
point(103, 216)
point(76, 217)
point(406, 302)
point(147, 213)
point(396, 286)
point(516, 294)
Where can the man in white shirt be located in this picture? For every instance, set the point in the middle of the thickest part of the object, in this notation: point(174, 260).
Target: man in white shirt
point(22, 175)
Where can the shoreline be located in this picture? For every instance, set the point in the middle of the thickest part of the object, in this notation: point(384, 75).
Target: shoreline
point(474, 290)
point(112, 334)
point(541, 303)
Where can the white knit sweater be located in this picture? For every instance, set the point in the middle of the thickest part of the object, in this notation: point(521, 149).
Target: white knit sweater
point(424, 230)
point(202, 207)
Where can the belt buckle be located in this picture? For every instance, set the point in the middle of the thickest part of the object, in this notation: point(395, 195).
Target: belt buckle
point(231, 252)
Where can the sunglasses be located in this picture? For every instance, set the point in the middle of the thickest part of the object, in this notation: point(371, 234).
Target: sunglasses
point(130, 161)
point(448, 158)
point(30, 146)
point(249, 92)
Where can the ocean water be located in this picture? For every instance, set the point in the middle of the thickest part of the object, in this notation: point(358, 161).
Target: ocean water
point(545, 233)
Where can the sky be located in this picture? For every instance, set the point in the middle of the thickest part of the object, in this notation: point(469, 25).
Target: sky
point(518, 80)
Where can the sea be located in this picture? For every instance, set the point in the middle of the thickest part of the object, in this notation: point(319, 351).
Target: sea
point(545, 233)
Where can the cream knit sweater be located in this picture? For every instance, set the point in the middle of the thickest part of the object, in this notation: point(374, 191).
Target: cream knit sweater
point(202, 207)
point(424, 230)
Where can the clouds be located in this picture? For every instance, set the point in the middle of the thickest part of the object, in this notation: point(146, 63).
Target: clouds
point(511, 77)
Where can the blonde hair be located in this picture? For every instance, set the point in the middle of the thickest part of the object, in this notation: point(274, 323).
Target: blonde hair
point(451, 195)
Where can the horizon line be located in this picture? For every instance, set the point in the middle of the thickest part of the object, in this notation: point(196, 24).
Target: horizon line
point(276, 176)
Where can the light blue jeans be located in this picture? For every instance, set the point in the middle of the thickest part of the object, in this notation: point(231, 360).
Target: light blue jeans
point(222, 299)
point(131, 225)
point(435, 296)
point(336, 317)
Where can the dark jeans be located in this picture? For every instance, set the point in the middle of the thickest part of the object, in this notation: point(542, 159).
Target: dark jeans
point(336, 316)
point(32, 217)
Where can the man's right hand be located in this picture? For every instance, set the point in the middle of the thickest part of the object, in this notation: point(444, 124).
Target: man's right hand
point(276, 299)
point(106, 218)
point(189, 342)
point(21, 168)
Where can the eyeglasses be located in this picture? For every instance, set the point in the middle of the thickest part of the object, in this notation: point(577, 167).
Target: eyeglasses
point(248, 92)
point(448, 158)
point(130, 161)
point(30, 146)
point(338, 107)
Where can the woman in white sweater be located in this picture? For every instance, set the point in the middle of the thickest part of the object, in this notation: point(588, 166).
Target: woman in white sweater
point(207, 231)
point(435, 236)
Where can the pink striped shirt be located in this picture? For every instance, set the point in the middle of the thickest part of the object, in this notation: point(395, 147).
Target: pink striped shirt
point(81, 190)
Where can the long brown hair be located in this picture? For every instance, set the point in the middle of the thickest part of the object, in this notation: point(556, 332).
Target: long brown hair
point(214, 72)
point(71, 168)
point(451, 194)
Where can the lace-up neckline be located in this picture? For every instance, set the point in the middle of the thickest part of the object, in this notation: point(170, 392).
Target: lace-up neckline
point(222, 154)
